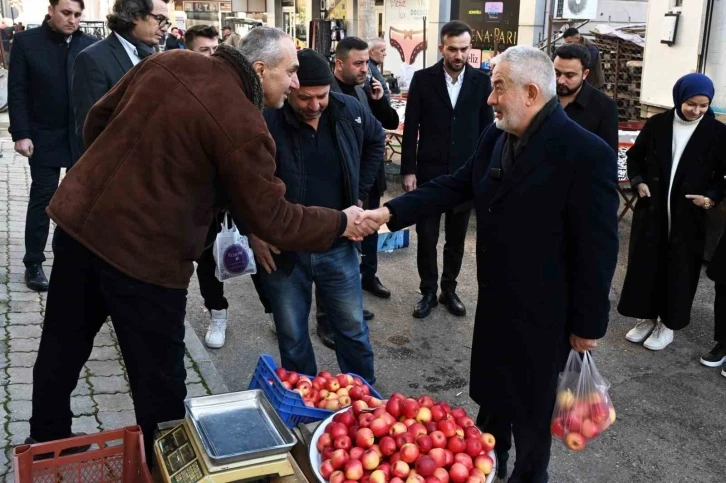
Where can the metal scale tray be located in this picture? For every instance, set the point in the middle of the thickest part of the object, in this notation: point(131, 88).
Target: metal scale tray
point(238, 426)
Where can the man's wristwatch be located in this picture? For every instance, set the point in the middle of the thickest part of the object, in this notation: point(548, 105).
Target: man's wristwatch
point(707, 203)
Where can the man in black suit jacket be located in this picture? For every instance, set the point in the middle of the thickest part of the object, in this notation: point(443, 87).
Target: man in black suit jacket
point(587, 106)
point(546, 200)
point(41, 123)
point(136, 30)
point(446, 111)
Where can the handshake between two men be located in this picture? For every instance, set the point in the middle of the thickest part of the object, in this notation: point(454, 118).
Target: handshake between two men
point(362, 222)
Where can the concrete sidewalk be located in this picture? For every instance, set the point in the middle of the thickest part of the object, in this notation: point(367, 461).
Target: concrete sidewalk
point(101, 400)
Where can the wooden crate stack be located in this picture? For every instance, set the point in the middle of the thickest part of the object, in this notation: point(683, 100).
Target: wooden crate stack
point(622, 64)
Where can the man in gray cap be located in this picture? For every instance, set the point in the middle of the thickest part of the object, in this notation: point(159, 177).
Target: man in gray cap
point(329, 149)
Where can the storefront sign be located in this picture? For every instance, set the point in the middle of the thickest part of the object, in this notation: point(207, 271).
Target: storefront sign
point(404, 34)
point(201, 7)
point(495, 25)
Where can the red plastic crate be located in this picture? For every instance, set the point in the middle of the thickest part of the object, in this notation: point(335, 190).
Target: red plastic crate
point(123, 462)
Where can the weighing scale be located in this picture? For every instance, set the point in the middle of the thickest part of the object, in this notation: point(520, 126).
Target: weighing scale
point(226, 438)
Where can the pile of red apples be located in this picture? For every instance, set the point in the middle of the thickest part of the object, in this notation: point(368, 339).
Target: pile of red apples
point(579, 420)
point(404, 440)
point(326, 391)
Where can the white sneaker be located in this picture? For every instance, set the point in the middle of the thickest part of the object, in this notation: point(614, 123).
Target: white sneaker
point(660, 338)
point(273, 327)
point(723, 372)
point(217, 329)
point(641, 331)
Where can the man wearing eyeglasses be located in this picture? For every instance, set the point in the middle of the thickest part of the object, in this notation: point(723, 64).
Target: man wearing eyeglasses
point(137, 27)
point(41, 123)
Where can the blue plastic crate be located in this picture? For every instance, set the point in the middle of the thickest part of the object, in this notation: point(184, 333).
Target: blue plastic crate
point(289, 404)
point(387, 242)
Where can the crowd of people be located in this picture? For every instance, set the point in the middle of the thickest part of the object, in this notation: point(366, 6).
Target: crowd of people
point(161, 145)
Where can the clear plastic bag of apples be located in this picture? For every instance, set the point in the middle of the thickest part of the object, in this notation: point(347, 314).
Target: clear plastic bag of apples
point(583, 409)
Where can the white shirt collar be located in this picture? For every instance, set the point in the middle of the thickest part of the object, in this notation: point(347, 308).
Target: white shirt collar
point(450, 80)
point(130, 49)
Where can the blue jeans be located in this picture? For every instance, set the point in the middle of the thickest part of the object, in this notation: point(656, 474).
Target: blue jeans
point(337, 277)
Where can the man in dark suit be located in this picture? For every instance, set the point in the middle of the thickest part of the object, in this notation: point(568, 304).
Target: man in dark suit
point(136, 30)
point(377, 52)
point(572, 36)
point(40, 117)
point(545, 194)
point(587, 106)
point(446, 111)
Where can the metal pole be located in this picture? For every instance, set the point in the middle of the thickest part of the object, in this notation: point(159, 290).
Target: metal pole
point(550, 18)
point(426, 45)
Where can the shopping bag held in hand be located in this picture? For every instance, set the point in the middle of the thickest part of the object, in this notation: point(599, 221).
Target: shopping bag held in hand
point(583, 408)
point(232, 252)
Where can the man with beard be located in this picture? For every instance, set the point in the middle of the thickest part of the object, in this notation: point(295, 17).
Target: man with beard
point(41, 121)
point(546, 204)
point(572, 36)
point(587, 106)
point(137, 27)
point(446, 111)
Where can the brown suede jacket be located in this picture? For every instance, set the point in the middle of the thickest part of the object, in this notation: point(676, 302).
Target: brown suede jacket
point(177, 139)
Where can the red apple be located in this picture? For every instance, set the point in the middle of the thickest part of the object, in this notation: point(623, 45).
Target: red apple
point(342, 392)
point(477, 473)
point(379, 411)
point(396, 479)
point(364, 438)
point(442, 475)
point(389, 419)
point(332, 385)
point(400, 469)
point(456, 444)
point(378, 477)
point(439, 456)
point(342, 442)
point(342, 380)
point(425, 402)
point(409, 422)
point(377, 449)
point(394, 458)
point(437, 413)
point(327, 453)
point(487, 442)
point(459, 431)
point(599, 412)
point(448, 427)
point(282, 374)
point(473, 479)
point(371, 459)
point(379, 427)
point(438, 439)
point(365, 420)
point(590, 429)
point(397, 395)
point(339, 458)
point(332, 405)
point(465, 422)
point(385, 468)
point(337, 477)
point(449, 457)
point(344, 401)
point(424, 443)
point(356, 453)
point(405, 438)
point(387, 445)
point(323, 442)
point(325, 374)
point(573, 422)
point(485, 463)
point(393, 406)
point(293, 378)
point(581, 409)
point(473, 447)
point(409, 408)
point(374, 402)
point(409, 452)
point(346, 418)
point(355, 393)
point(458, 413)
point(331, 396)
point(358, 407)
point(472, 432)
point(352, 431)
point(397, 428)
point(575, 441)
point(431, 427)
point(465, 460)
point(558, 428)
point(326, 469)
point(417, 429)
point(423, 415)
point(353, 470)
point(366, 390)
point(336, 430)
point(432, 479)
point(287, 385)
point(413, 477)
point(305, 387)
point(458, 473)
point(318, 383)
point(425, 466)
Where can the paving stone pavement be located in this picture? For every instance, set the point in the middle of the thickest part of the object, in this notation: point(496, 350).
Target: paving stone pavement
point(101, 400)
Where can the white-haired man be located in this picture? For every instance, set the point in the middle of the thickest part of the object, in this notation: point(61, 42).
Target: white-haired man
point(546, 203)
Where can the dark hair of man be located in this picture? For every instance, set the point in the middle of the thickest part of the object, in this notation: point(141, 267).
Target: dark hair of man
point(207, 31)
point(227, 27)
point(342, 50)
point(570, 32)
point(54, 3)
point(124, 12)
point(574, 51)
point(454, 29)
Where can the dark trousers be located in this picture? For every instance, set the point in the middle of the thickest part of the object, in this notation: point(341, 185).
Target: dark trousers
point(719, 310)
point(149, 324)
point(44, 182)
point(369, 245)
point(533, 447)
point(428, 238)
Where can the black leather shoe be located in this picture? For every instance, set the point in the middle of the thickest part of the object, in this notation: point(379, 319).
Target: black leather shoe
point(374, 286)
point(35, 278)
point(424, 306)
point(368, 315)
point(65, 452)
point(452, 303)
point(326, 336)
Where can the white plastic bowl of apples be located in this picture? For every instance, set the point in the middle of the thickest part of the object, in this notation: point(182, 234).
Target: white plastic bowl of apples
point(402, 440)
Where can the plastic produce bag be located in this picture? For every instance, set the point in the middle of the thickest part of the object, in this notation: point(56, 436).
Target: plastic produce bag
point(583, 408)
point(232, 252)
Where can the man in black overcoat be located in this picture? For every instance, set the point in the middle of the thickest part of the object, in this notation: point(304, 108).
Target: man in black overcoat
point(545, 195)
point(41, 121)
point(446, 112)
